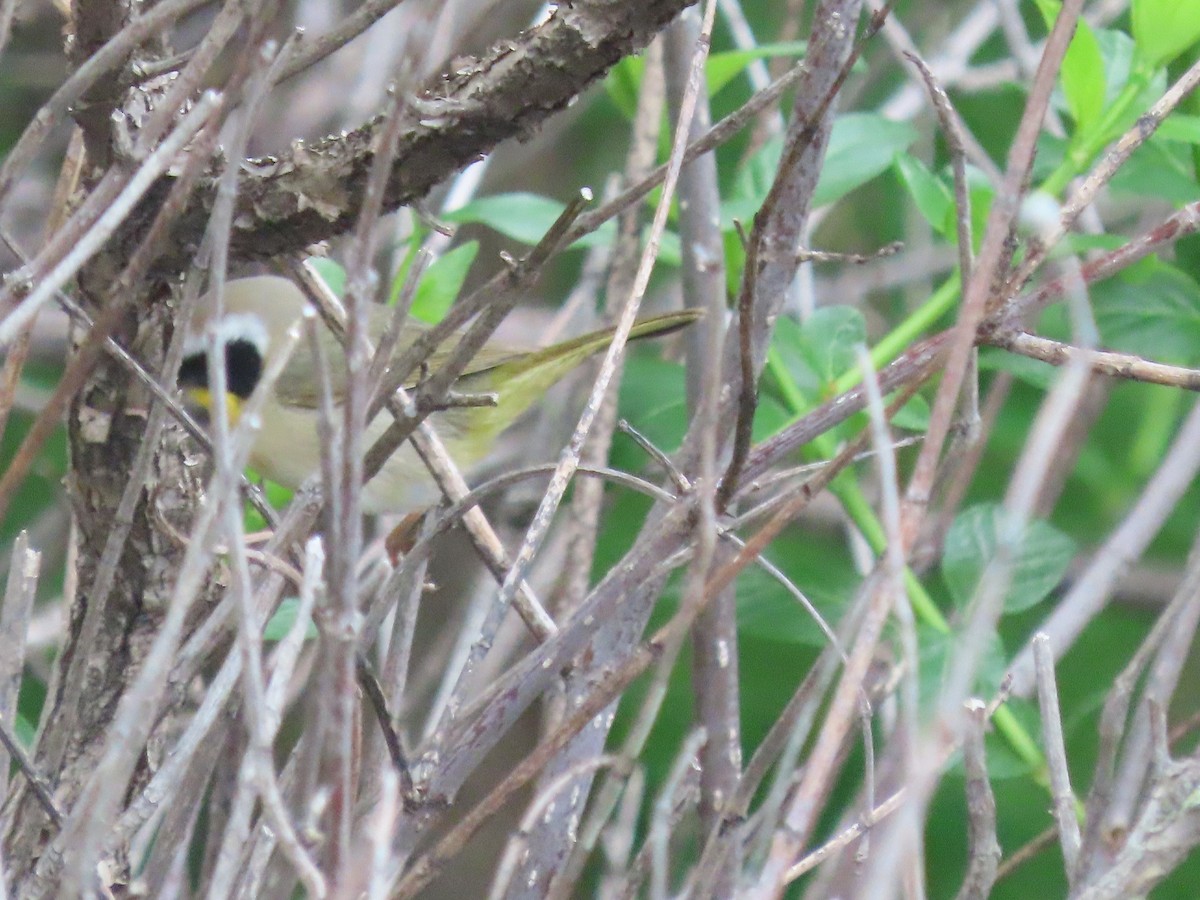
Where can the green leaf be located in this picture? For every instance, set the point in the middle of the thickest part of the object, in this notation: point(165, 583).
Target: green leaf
point(1120, 57)
point(861, 146)
point(1031, 371)
point(1152, 312)
point(524, 217)
point(751, 185)
point(670, 248)
point(1158, 169)
point(1083, 69)
point(653, 399)
point(821, 348)
point(1083, 78)
point(830, 338)
point(521, 216)
point(933, 198)
point(623, 82)
point(439, 286)
point(284, 618)
point(25, 730)
point(722, 68)
point(278, 497)
point(913, 415)
point(770, 418)
point(441, 283)
point(1124, 68)
point(331, 273)
point(1002, 761)
point(936, 652)
point(1038, 562)
point(42, 487)
point(1163, 29)
point(1180, 127)
point(820, 567)
point(980, 194)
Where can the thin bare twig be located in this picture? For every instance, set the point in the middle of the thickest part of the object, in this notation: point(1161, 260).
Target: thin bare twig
point(954, 131)
point(17, 604)
point(1103, 362)
point(569, 459)
point(11, 376)
point(37, 782)
point(518, 845)
point(93, 811)
point(555, 837)
point(658, 838)
point(778, 225)
point(1172, 651)
point(115, 213)
point(626, 250)
point(1126, 543)
point(893, 574)
point(102, 61)
point(990, 267)
point(323, 45)
point(847, 837)
point(984, 849)
point(714, 137)
point(1112, 161)
point(1056, 754)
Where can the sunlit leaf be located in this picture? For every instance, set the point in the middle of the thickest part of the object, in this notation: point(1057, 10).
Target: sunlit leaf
point(1083, 77)
point(1163, 29)
point(1082, 72)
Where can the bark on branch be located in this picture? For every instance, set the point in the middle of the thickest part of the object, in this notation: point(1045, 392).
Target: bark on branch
point(314, 192)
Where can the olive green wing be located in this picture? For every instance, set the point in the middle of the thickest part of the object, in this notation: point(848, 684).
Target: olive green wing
point(297, 386)
point(524, 374)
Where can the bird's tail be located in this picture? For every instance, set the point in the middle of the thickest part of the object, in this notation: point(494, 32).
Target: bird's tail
point(525, 378)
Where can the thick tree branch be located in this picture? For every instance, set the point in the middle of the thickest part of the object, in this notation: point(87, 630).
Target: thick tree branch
point(314, 192)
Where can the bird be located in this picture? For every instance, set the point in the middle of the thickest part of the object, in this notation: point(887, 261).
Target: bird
point(257, 313)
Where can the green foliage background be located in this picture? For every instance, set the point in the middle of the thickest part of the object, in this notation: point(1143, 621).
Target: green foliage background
point(887, 181)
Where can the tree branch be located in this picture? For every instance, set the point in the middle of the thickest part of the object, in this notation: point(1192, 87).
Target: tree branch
point(314, 192)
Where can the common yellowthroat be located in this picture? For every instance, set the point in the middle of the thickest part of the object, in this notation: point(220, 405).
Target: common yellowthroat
point(258, 313)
